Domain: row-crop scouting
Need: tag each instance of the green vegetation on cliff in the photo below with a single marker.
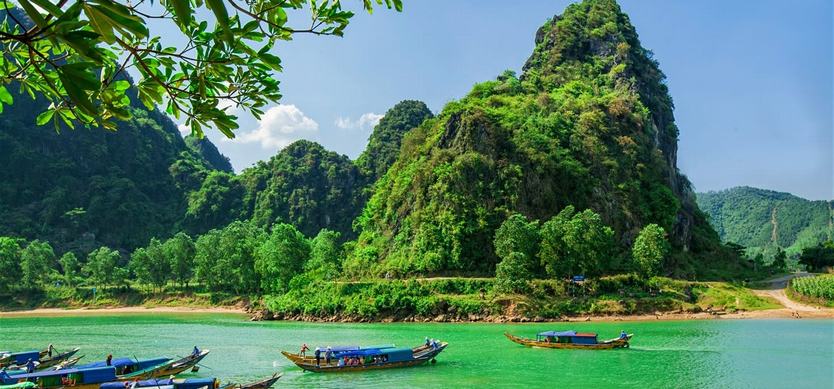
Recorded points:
(588, 124)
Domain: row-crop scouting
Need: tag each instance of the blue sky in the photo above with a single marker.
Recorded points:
(751, 81)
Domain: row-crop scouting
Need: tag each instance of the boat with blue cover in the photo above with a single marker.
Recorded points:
(127, 367)
(354, 358)
(42, 359)
(189, 383)
(572, 340)
(89, 378)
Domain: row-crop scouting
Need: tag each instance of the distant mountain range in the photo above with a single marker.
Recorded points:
(763, 219)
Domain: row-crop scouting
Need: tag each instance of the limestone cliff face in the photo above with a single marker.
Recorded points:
(589, 123)
(599, 33)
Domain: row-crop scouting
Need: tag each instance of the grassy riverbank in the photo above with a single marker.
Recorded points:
(430, 299)
(463, 299)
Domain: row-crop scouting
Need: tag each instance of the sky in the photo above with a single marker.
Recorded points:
(751, 81)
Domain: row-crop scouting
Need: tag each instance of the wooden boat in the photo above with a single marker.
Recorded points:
(46, 361)
(265, 383)
(89, 378)
(19, 358)
(190, 362)
(368, 358)
(166, 383)
(42, 361)
(571, 340)
(128, 367)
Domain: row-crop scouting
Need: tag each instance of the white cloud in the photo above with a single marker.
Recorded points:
(366, 121)
(279, 126)
(184, 130)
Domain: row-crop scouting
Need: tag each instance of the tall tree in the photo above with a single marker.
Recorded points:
(512, 274)
(575, 243)
(69, 266)
(179, 250)
(649, 249)
(101, 265)
(325, 255)
(73, 53)
(225, 258)
(517, 234)
(280, 257)
(36, 261)
(9, 262)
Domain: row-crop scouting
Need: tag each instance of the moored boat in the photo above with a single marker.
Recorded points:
(190, 362)
(572, 340)
(127, 367)
(89, 378)
(363, 359)
(166, 383)
(265, 383)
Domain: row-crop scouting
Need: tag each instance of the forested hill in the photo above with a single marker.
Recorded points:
(589, 123)
(760, 218)
(304, 184)
(83, 188)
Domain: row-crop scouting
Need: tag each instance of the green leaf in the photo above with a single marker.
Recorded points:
(222, 16)
(100, 23)
(44, 117)
(273, 61)
(33, 13)
(47, 5)
(5, 96)
(182, 9)
(76, 94)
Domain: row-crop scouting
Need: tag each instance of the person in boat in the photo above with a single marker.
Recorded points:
(318, 356)
(109, 360)
(341, 362)
(30, 366)
(304, 349)
(196, 351)
(427, 342)
(49, 350)
(327, 354)
(4, 375)
(623, 334)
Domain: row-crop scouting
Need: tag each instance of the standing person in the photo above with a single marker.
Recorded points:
(109, 360)
(318, 356)
(327, 355)
(304, 349)
(427, 342)
(623, 334)
(196, 351)
(30, 366)
(50, 350)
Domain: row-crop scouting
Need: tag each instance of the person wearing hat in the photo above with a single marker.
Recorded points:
(318, 356)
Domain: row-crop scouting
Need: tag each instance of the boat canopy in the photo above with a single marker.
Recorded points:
(100, 374)
(23, 356)
(124, 362)
(191, 383)
(566, 333)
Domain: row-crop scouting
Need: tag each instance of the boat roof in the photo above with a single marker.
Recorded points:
(50, 373)
(122, 362)
(568, 333)
(191, 383)
(365, 352)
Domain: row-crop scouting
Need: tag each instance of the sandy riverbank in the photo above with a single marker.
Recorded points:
(117, 311)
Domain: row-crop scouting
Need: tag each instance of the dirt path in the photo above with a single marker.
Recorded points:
(775, 288)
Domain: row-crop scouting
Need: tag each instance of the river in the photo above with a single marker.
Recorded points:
(665, 354)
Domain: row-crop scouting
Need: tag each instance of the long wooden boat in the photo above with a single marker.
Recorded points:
(127, 367)
(571, 340)
(42, 361)
(8, 359)
(364, 359)
(190, 362)
(46, 361)
(265, 383)
(89, 378)
(167, 383)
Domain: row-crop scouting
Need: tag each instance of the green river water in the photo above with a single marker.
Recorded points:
(669, 354)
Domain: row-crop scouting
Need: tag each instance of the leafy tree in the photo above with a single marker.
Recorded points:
(36, 261)
(101, 265)
(179, 250)
(70, 267)
(9, 262)
(649, 249)
(779, 263)
(512, 274)
(225, 258)
(818, 257)
(575, 243)
(73, 53)
(280, 257)
(518, 235)
(325, 255)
